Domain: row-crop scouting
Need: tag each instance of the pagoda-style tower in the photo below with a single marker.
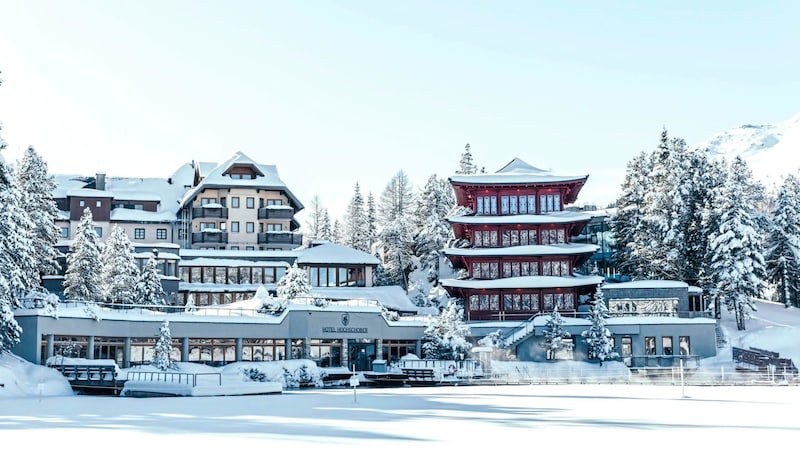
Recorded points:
(519, 259)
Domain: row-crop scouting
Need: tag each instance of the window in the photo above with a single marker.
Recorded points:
(98, 231)
(236, 176)
(666, 345)
(685, 345)
(234, 227)
(249, 248)
(550, 202)
(64, 232)
(234, 247)
(486, 204)
(81, 203)
(161, 234)
(138, 233)
(99, 203)
(564, 352)
(234, 202)
(650, 345)
(274, 202)
(274, 227)
(207, 201)
(626, 349)
(250, 227)
(207, 226)
(485, 238)
(251, 202)
(485, 270)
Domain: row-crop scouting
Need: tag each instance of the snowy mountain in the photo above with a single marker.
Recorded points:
(771, 151)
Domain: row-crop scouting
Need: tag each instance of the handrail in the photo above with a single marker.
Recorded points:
(170, 377)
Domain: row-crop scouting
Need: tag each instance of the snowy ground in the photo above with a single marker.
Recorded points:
(603, 416)
(38, 406)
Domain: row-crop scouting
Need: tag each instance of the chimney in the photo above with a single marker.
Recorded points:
(100, 181)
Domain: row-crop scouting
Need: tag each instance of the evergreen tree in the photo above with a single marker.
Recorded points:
(337, 234)
(294, 283)
(397, 242)
(737, 265)
(325, 230)
(555, 335)
(119, 274)
(433, 231)
(36, 187)
(598, 336)
(82, 278)
(12, 280)
(446, 335)
(627, 223)
(465, 165)
(190, 304)
(355, 223)
(162, 354)
(783, 243)
(372, 222)
(148, 288)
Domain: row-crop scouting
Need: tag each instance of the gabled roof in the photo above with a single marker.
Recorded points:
(516, 171)
(217, 178)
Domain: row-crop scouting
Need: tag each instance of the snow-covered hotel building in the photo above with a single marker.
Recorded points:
(519, 263)
(220, 232)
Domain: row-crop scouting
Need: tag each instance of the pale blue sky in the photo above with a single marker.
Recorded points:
(339, 92)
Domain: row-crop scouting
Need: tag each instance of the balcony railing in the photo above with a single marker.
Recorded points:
(209, 237)
(275, 213)
(280, 237)
(209, 213)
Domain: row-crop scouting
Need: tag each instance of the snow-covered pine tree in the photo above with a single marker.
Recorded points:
(397, 243)
(372, 222)
(82, 278)
(162, 353)
(190, 304)
(325, 230)
(783, 243)
(36, 187)
(446, 335)
(627, 223)
(293, 284)
(598, 336)
(433, 231)
(149, 291)
(12, 281)
(556, 336)
(355, 222)
(337, 233)
(737, 265)
(119, 274)
(465, 165)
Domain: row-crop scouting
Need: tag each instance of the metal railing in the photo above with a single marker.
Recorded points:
(172, 377)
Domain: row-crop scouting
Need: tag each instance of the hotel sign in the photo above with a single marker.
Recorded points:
(345, 320)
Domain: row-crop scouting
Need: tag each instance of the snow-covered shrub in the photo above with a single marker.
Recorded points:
(268, 303)
(446, 335)
(253, 374)
(320, 302)
(391, 316)
(492, 339)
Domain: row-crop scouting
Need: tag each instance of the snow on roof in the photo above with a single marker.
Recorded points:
(538, 282)
(268, 179)
(536, 219)
(516, 172)
(331, 253)
(695, 290)
(525, 250)
(392, 297)
(226, 262)
(274, 255)
(646, 284)
(85, 192)
(138, 215)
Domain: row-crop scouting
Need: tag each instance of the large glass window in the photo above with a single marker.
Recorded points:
(550, 202)
(263, 349)
(486, 205)
(326, 352)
